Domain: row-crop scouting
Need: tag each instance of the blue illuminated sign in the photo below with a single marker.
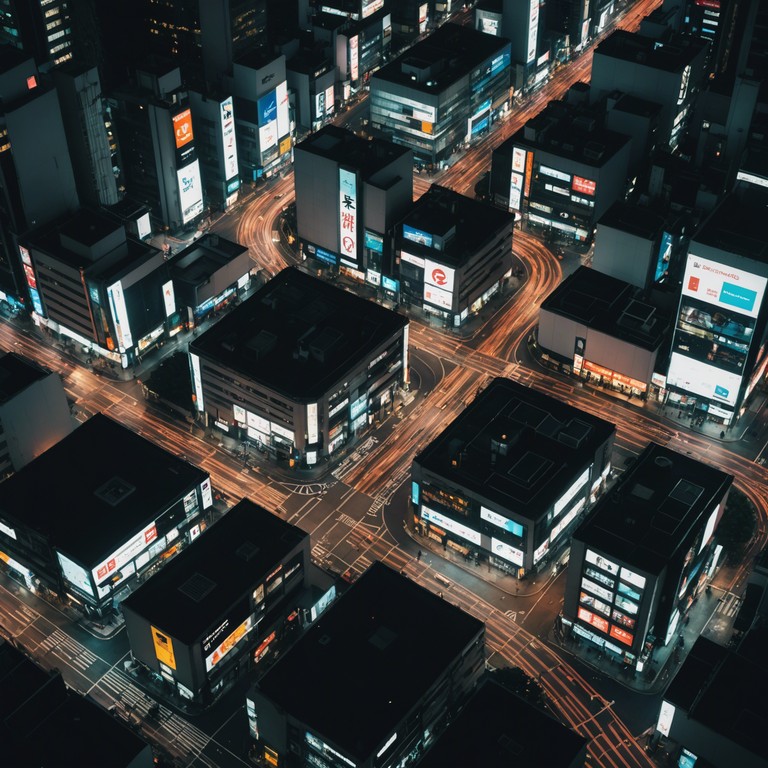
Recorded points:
(326, 256)
(267, 108)
(500, 62)
(738, 296)
(414, 492)
(417, 236)
(374, 242)
(665, 252)
(479, 125)
(389, 284)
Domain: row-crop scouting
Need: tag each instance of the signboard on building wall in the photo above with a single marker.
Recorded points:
(169, 298)
(163, 647)
(354, 60)
(182, 128)
(371, 6)
(348, 214)
(533, 30)
(439, 275)
(283, 111)
(312, 432)
(423, 14)
(228, 139)
(125, 554)
(190, 191)
(120, 316)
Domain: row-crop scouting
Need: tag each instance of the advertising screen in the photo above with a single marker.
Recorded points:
(423, 17)
(229, 643)
(489, 25)
(283, 114)
(75, 574)
(197, 380)
(120, 316)
(596, 589)
(502, 522)
(596, 621)
(125, 554)
(450, 525)
(504, 550)
(666, 715)
(312, 435)
(617, 633)
(565, 499)
(585, 186)
(190, 191)
(417, 236)
(594, 603)
(438, 275)
(709, 529)
(665, 254)
(163, 647)
(228, 139)
(533, 30)
(601, 562)
(169, 300)
(329, 102)
(267, 108)
(371, 6)
(348, 214)
(267, 137)
(702, 379)
(354, 61)
(438, 297)
(182, 128)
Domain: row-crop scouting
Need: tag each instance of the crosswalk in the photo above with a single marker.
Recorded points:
(68, 650)
(729, 604)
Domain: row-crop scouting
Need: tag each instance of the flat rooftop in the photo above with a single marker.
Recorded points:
(516, 446)
(472, 223)
(647, 515)
(634, 219)
(332, 328)
(451, 52)
(671, 56)
(634, 105)
(16, 374)
(202, 583)
(96, 488)
(610, 305)
(737, 226)
(712, 687)
(363, 663)
(342, 146)
(497, 729)
(199, 260)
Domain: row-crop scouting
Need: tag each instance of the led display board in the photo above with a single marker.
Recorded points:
(75, 574)
(109, 567)
(283, 111)
(601, 562)
(190, 191)
(182, 128)
(120, 316)
(312, 433)
(163, 647)
(506, 551)
(438, 297)
(229, 643)
(354, 61)
(228, 139)
(533, 29)
(439, 275)
(584, 186)
(197, 380)
(450, 525)
(348, 214)
(502, 522)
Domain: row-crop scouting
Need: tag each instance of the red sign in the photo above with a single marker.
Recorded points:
(150, 534)
(709, 3)
(621, 635)
(182, 127)
(693, 283)
(439, 277)
(585, 186)
(596, 621)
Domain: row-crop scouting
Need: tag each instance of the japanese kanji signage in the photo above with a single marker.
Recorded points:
(348, 214)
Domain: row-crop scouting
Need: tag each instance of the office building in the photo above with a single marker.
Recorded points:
(446, 91)
(207, 275)
(299, 369)
(96, 511)
(311, 76)
(352, 691)
(40, 28)
(509, 477)
(44, 722)
(454, 255)
(497, 728)
(718, 349)
(91, 282)
(644, 554)
(34, 412)
(523, 24)
(561, 171)
(197, 622)
(350, 193)
(604, 331)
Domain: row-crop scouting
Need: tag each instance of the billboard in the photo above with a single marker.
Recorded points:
(533, 30)
(74, 573)
(438, 296)
(120, 316)
(312, 433)
(450, 525)
(197, 380)
(190, 191)
(125, 554)
(348, 214)
(417, 236)
(163, 647)
(504, 550)
(229, 643)
(283, 113)
(267, 136)
(371, 6)
(584, 186)
(502, 522)
(228, 139)
(267, 108)
(182, 128)
(169, 298)
(354, 60)
(438, 275)
(665, 254)
(423, 9)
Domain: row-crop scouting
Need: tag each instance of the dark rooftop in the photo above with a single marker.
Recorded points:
(440, 211)
(231, 557)
(637, 106)
(108, 483)
(343, 146)
(450, 52)
(710, 688)
(516, 446)
(298, 335)
(610, 305)
(197, 262)
(737, 226)
(16, 374)
(649, 513)
(672, 56)
(497, 729)
(361, 658)
(633, 219)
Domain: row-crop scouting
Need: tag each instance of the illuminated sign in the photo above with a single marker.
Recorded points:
(205, 492)
(438, 296)
(239, 413)
(502, 522)
(267, 108)
(190, 191)
(528, 174)
(502, 549)
(540, 551)
(617, 633)
(709, 528)
(371, 6)
(228, 139)
(450, 525)
(750, 178)
(168, 298)
(591, 618)
(601, 562)
(7, 530)
(666, 715)
(584, 186)
(283, 113)
(438, 275)
(389, 284)
(348, 214)
(229, 643)
(75, 574)
(182, 128)
(163, 647)
(533, 29)
(374, 242)
(120, 316)
(665, 254)
(329, 99)
(423, 17)
(198, 381)
(590, 586)
(353, 58)
(565, 499)
(515, 191)
(312, 435)
(417, 236)
(554, 173)
(518, 160)
(417, 261)
(125, 554)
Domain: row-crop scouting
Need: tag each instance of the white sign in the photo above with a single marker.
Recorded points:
(277, 429)
(312, 436)
(120, 316)
(348, 214)
(169, 298)
(666, 715)
(125, 554)
(7, 530)
(450, 525)
(503, 549)
(228, 139)
(438, 275)
(565, 499)
(353, 59)
(417, 261)
(205, 490)
(632, 578)
(438, 296)
(283, 114)
(239, 413)
(75, 574)
(198, 381)
(267, 136)
(518, 160)
(750, 178)
(533, 30)
(702, 379)
(602, 562)
(190, 191)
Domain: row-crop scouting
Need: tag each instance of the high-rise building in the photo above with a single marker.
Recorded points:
(41, 28)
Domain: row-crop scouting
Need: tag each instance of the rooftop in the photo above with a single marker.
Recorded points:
(451, 52)
(298, 335)
(360, 658)
(672, 56)
(634, 105)
(102, 485)
(610, 305)
(470, 223)
(343, 146)
(497, 729)
(650, 511)
(230, 558)
(16, 374)
(516, 446)
(633, 219)
(197, 262)
(710, 688)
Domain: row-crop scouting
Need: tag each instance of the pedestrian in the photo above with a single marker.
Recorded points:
(418, 555)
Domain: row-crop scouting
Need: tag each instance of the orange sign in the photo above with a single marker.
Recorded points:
(182, 127)
(163, 648)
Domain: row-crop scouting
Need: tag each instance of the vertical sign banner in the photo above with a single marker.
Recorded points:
(533, 30)
(190, 191)
(528, 174)
(120, 316)
(312, 436)
(354, 61)
(228, 139)
(348, 214)
(163, 648)
(182, 128)
(197, 380)
(283, 115)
